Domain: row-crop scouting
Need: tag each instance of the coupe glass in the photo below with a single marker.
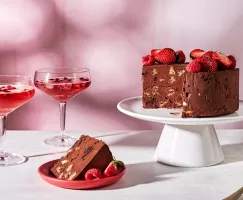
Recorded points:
(62, 84)
(15, 90)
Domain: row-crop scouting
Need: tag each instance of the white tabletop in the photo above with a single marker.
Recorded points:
(144, 179)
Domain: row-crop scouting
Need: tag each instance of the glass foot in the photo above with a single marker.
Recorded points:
(61, 141)
(9, 159)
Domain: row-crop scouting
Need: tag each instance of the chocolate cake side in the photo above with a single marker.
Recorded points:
(85, 154)
(207, 94)
(162, 86)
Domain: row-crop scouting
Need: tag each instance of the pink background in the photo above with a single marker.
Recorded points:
(109, 37)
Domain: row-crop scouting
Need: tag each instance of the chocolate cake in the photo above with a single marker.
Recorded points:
(85, 154)
(162, 86)
(207, 94)
(207, 86)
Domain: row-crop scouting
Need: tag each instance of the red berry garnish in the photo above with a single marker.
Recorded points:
(166, 56)
(196, 53)
(180, 56)
(194, 66)
(93, 174)
(208, 64)
(233, 60)
(9, 87)
(222, 59)
(154, 52)
(148, 60)
(114, 168)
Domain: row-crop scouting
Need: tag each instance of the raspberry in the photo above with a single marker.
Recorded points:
(148, 60)
(193, 66)
(93, 174)
(180, 56)
(166, 56)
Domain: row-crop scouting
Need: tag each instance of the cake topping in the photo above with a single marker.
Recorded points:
(222, 59)
(210, 61)
(233, 60)
(193, 66)
(196, 53)
(166, 56)
(148, 60)
(114, 168)
(93, 174)
(154, 52)
(208, 64)
(180, 56)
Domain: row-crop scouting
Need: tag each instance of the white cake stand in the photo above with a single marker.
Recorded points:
(190, 142)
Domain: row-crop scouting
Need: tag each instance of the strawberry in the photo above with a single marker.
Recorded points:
(166, 56)
(222, 59)
(233, 60)
(180, 56)
(208, 64)
(155, 51)
(114, 168)
(148, 60)
(193, 66)
(196, 53)
(93, 174)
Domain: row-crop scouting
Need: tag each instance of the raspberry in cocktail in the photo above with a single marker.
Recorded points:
(63, 88)
(62, 84)
(13, 96)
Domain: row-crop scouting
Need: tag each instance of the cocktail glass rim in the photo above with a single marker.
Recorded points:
(75, 70)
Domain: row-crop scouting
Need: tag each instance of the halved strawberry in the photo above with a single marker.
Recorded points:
(222, 59)
(114, 168)
(196, 53)
(155, 51)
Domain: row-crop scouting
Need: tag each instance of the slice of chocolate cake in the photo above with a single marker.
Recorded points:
(85, 154)
(162, 86)
(207, 94)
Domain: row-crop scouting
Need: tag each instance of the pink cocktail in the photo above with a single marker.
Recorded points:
(62, 84)
(15, 90)
(13, 96)
(63, 88)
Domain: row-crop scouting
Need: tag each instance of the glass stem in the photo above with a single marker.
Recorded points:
(3, 126)
(62, 117)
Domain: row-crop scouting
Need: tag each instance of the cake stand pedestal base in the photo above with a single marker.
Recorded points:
(189, 146)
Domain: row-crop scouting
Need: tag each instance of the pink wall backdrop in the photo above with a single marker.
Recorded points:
(108, 37)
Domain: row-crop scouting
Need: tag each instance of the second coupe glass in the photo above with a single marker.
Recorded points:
(62, 84)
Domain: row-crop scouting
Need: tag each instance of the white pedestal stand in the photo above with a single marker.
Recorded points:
(191, 142)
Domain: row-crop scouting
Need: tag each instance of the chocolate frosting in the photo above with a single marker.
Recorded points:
(207, 94)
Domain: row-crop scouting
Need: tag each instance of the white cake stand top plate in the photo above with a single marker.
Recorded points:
(133, 107)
